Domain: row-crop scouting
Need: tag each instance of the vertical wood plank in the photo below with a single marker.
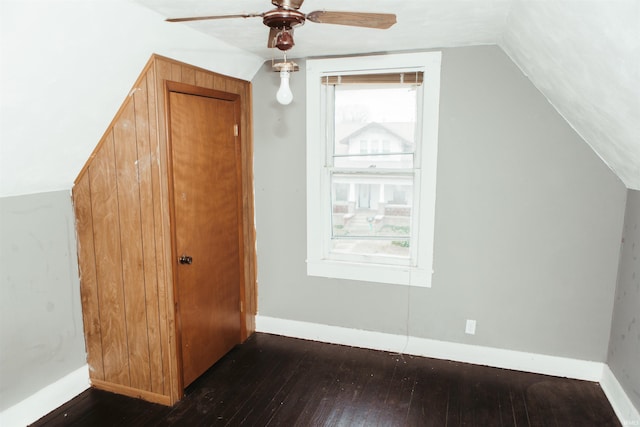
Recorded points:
(163, 72)
(219, 82)
(124, 133)
(240, 193)
(145, 178)
(233, 86)
(188, 75)
(204, 79)
(176, 72)
(106, 236)
(251, 303)
(159, 207)
(88, 280)
(236, 87)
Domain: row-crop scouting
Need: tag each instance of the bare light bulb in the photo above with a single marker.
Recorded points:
(284, 94)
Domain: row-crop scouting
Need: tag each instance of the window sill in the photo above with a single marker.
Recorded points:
(396, 275)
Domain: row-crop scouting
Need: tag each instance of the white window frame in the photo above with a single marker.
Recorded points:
(318, 192)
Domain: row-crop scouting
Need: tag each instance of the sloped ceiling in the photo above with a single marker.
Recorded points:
(583, 55)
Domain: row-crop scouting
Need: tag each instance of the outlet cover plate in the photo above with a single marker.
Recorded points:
(471, 327)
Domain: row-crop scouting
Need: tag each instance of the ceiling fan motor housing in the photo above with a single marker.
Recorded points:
(283, 18)
(284, 40)
(287, 4)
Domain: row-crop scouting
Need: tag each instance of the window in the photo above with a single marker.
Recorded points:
(371, 167)
(364, 147)
(375, 145)
(386, 146)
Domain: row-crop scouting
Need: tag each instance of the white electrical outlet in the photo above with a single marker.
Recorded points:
(471, 327)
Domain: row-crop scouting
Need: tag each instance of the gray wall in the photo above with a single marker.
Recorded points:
(624, 347)
(528, 221)
(41, 335)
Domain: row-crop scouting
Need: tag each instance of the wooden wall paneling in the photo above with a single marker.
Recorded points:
(122, 203)
(188, 75)
(243, 89)
(176, 71)
(251, 294)
(231, 86)
(219, 83)
(236, 86)
(89, 161)
(132, 392)
(128, 187)
(144, 125)
(204, 79)
(240, 193)
(104, 208)
(165, 286)
(88, 280)
(163, 72)
(131, 248)
(159, 209)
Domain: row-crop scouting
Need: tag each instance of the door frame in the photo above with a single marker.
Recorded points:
(187, 89)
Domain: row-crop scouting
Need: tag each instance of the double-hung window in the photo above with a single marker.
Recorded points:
(372, 129)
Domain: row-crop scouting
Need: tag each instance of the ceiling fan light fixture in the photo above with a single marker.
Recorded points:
(285, 68)
(284, 94)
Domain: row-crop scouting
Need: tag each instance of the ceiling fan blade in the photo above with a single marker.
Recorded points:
(273, 32)
(288, 4)
(357, 19)
(204, 18)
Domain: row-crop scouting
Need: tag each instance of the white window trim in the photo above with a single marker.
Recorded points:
(318, 189)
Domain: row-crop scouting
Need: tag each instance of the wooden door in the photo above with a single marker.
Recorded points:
(207, 219)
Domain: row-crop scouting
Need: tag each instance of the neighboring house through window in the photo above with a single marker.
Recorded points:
(371, 167)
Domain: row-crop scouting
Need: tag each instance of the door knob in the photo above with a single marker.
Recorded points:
(185, 259)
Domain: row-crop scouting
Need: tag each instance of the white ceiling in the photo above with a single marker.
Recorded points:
(584, 55)
(421, 24)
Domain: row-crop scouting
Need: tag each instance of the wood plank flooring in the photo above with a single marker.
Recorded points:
(277, 381)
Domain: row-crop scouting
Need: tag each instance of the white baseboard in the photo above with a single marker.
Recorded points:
(477, 355)
(626, 412)
(46, 400)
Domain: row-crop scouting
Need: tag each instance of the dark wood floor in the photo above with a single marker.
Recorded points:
(278, 381)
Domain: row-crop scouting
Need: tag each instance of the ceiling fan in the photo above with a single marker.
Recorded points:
(286, 16)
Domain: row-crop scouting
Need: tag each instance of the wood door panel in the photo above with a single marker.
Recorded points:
(206, 216)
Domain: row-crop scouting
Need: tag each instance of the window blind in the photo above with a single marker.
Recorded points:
(410, 78)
